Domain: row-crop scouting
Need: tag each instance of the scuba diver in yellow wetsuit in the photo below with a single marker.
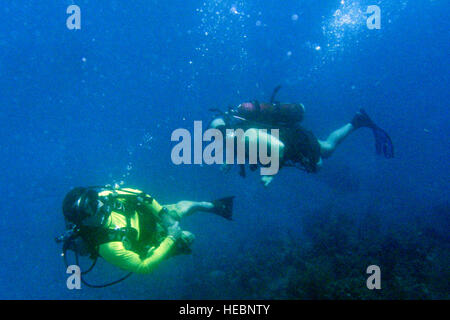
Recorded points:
(128, 228)
(298, 147)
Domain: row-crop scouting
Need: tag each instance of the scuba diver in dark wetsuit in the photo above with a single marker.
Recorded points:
(297, 146)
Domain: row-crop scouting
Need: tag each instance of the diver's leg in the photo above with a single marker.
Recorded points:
(328, 146)
(185, 208)
(179, 210)
(360, 120)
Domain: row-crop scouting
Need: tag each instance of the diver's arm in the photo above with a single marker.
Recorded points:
(116, 254)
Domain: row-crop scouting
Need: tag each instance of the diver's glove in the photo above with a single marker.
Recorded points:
(186, 240)
(183, 244)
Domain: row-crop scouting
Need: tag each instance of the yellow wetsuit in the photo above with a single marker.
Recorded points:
(116, 253)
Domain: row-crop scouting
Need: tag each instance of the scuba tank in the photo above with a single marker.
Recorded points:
(274, 113)
(270, 113)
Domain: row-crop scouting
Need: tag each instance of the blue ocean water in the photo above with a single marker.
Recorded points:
(98, 105)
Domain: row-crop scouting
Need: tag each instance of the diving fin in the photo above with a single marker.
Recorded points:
(223, 207)
(362, 120)
(383, 143)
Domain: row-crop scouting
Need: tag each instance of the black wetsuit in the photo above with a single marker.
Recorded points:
(302, 149)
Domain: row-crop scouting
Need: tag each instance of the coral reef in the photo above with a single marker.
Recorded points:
(329, 260)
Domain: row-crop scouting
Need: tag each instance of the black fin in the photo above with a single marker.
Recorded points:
(223, 207)
(362, 120)
(383, 143)
(274, 93)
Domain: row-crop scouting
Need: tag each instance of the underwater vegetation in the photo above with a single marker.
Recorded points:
(330, 259)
